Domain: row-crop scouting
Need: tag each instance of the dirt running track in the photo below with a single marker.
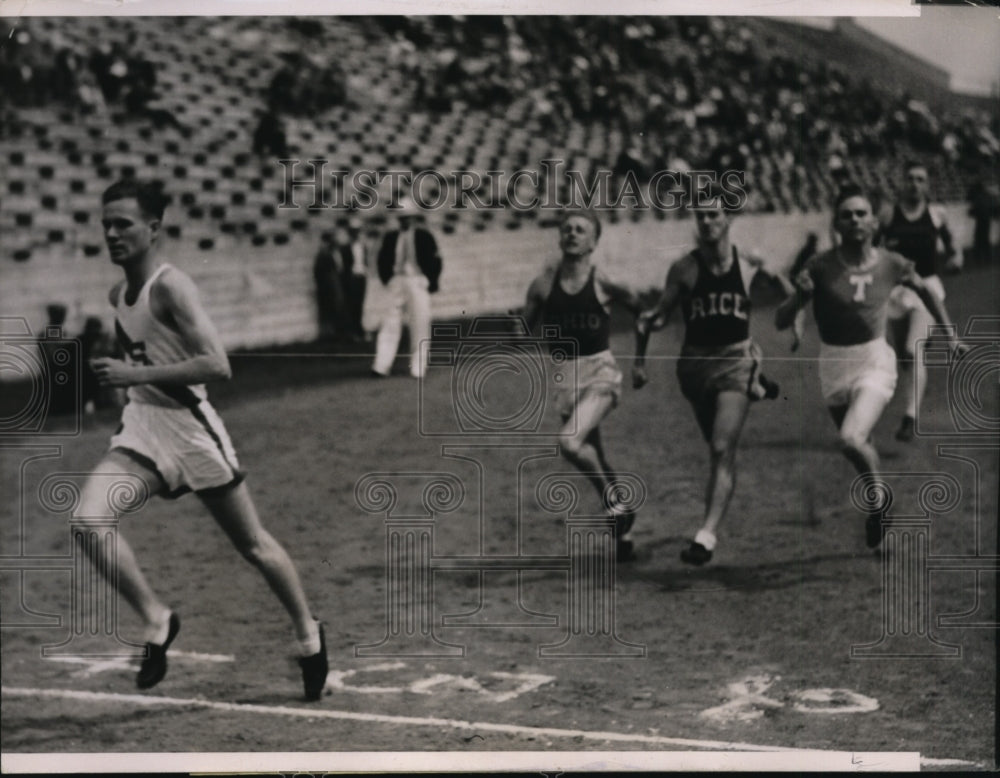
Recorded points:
(749, 639)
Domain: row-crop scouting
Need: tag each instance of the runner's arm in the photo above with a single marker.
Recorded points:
(647, 321)
(953, 258)
(781, 281)
(619, 293)
(936, 307)
(790, 311)
(175, 297)
(534, 303)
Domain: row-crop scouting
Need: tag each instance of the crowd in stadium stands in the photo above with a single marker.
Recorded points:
(698, 92)
(306, 85)
(36, 72)
(674, 93)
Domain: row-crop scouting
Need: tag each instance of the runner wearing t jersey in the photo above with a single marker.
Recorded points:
(850, 286)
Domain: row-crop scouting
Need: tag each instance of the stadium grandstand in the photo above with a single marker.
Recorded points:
(208, 106)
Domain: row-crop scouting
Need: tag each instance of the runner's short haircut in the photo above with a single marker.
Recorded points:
(152, 201)
(847, 192)
(583, 213)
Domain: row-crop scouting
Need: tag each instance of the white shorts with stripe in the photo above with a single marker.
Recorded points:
(846, 370)
(188, 448)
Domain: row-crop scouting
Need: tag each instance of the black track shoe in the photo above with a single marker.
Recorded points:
(906, 432)
(314, 670)
(875, 529)
(771, 388)
(154, 666)
(624, 551)
(696, 554)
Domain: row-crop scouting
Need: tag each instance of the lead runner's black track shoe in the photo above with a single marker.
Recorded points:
(875, 527)
(624, 549)
(154, 667)
(696, 554)
(314, 670)
(771, 388)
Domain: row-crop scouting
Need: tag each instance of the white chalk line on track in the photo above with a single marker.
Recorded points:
(381, 718)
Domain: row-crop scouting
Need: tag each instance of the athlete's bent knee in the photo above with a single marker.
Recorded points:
(852, 441)
(722, 450)
(570, 446)
(263, 551)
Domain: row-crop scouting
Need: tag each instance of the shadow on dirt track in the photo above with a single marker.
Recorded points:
(748, 578)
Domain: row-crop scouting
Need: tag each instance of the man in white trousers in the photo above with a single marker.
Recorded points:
(409, 266)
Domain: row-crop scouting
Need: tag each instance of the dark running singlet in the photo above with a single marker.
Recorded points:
(916, 240)
(580, 317)
(717, 311)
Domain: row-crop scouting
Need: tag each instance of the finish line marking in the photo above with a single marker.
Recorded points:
(482, 726)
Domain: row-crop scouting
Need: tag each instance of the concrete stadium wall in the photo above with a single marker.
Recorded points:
(261, 298)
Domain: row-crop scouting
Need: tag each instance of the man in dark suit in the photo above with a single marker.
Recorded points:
(329, 292)
(409, 265)
(354, 277)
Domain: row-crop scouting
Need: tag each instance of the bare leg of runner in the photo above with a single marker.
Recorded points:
(856, 423)
(721, 420)
(119, 560)
(235, 512)
(913, 384)
(577, 444)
